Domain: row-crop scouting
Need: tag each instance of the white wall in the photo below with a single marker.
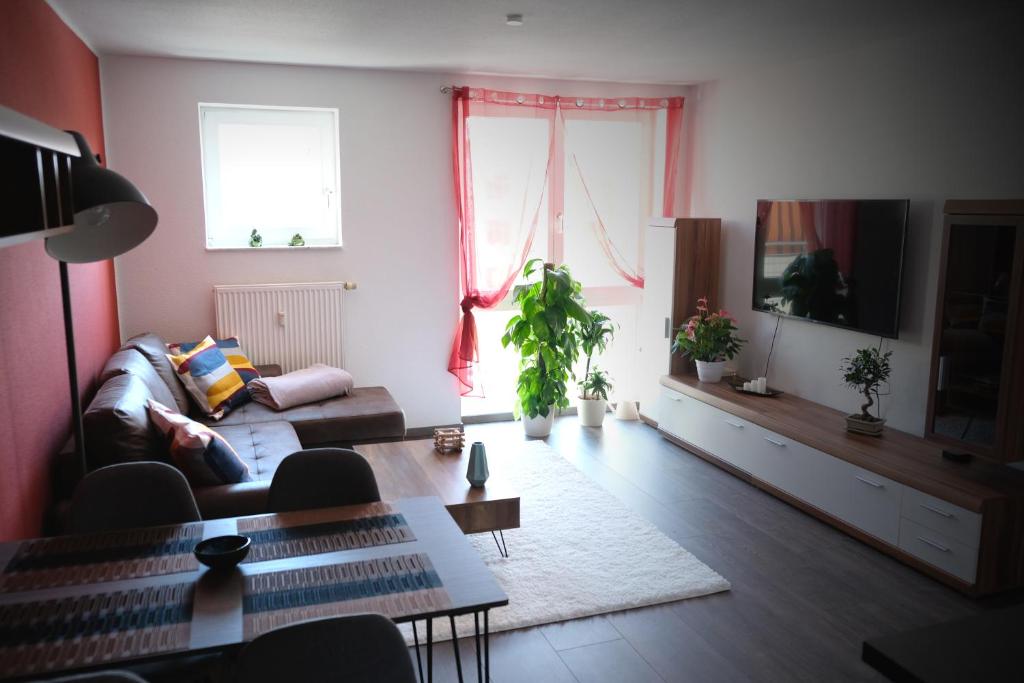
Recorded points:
(930, 117)
(399, 233)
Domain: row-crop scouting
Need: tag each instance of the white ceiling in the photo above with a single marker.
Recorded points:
(649, 41)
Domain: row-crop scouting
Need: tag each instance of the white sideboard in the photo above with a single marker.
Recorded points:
(888, 491)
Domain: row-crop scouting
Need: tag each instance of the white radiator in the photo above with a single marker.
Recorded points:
(294, 325)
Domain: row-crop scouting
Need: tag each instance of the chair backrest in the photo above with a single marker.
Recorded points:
(361, 648)
(131, 495)
(322, 478)
(99, 677)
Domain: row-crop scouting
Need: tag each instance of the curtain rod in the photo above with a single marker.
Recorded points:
(447, 89)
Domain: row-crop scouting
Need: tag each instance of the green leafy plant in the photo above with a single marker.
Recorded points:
(596, 385)
(866, 371)
(255, 239)
(297, 241)
(708, 336)
(594, 338)
(546, 332)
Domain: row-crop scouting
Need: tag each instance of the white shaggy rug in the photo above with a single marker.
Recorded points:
(579, 551)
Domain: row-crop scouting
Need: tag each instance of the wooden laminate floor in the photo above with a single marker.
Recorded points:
(803, 598)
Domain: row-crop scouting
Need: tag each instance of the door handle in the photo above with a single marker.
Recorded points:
(869, 482)
(774, 442)
(933, 544)
(737, 425)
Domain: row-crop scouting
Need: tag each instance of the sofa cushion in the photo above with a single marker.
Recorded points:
(206, 457)
(155, 351)
(131, 362)
(214, 385)
(232, 350)
(117, 426)
(261, 445)
(365, 414)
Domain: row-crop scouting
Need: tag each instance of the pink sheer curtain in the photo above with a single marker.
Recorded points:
(494, 248)
(508, 240)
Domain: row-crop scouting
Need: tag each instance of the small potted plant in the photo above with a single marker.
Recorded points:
(594, 398)
(546, 334)
(866, 371)
(709, 339)
(594, 338)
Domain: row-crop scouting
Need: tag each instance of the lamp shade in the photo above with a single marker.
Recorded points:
(111, 214)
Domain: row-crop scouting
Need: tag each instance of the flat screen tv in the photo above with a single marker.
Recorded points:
(836, 262)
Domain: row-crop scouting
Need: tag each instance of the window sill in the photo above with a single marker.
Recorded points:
(281, 248)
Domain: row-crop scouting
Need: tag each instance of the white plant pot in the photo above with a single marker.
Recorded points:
(540, 426)
(710, 371)
(592, 411)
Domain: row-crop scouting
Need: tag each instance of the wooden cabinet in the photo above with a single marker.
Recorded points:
(681, 258)
(960, 523)
(976, 396)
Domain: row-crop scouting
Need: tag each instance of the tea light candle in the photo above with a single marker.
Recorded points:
(762, 385)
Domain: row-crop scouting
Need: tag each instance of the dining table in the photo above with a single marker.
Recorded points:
(113, 599)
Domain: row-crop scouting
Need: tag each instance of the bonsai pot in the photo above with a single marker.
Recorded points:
(540, 426)
(710, 371)
(592, 411)
(858, 425)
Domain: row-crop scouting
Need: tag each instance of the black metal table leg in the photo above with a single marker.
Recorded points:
(479, 654)
(416, 640)
(430, 650)
(502, 548)
(455, 646)
(487, 647)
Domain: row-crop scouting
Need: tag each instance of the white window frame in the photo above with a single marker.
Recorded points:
(333, 243)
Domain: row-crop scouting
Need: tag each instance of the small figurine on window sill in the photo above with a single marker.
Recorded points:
(255, 239)
(297, 241)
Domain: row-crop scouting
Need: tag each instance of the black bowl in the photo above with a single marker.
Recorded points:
(222, 552)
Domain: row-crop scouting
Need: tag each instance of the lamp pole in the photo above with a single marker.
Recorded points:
(69, 340)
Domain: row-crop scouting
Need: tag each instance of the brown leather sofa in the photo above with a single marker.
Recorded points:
(117, 426)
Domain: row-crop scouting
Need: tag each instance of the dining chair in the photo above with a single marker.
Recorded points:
(131, 495)
(99, 677)
(322, 478)
(359, 648)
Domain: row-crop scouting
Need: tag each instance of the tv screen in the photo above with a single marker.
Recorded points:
(836, 262)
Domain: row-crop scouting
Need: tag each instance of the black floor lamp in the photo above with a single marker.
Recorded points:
(111, 217)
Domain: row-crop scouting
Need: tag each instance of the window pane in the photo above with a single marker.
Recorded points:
(614, 160)
(272, 170)
(509, 159)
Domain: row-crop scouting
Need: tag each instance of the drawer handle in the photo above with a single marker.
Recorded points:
(942, 513)
(674, 398)
(774, 442)
(933, 544)
(869, 482)
(737, 425)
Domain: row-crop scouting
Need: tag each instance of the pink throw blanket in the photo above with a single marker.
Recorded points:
(311, 384)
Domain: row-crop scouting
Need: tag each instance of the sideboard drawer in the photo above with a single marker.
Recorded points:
(712, 430)
(874, 504)
(939, 550)
(952, 521)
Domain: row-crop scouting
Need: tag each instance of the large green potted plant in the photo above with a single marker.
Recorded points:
(710, 339)
(594, 338)
(866, 371)
(546, 334)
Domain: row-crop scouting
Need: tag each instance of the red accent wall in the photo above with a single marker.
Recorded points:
(46, 72)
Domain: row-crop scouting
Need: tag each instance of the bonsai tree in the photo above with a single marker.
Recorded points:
(546, 332)
(596, 385)
(708, 337)
(594, 338)
(866, 371)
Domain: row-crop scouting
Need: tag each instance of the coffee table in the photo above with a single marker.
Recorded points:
(406, 469)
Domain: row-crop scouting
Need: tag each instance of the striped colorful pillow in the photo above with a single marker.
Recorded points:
(209, 379)
(232, 350)
(206, 457)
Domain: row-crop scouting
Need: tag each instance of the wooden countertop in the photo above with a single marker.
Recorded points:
(902, 457)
